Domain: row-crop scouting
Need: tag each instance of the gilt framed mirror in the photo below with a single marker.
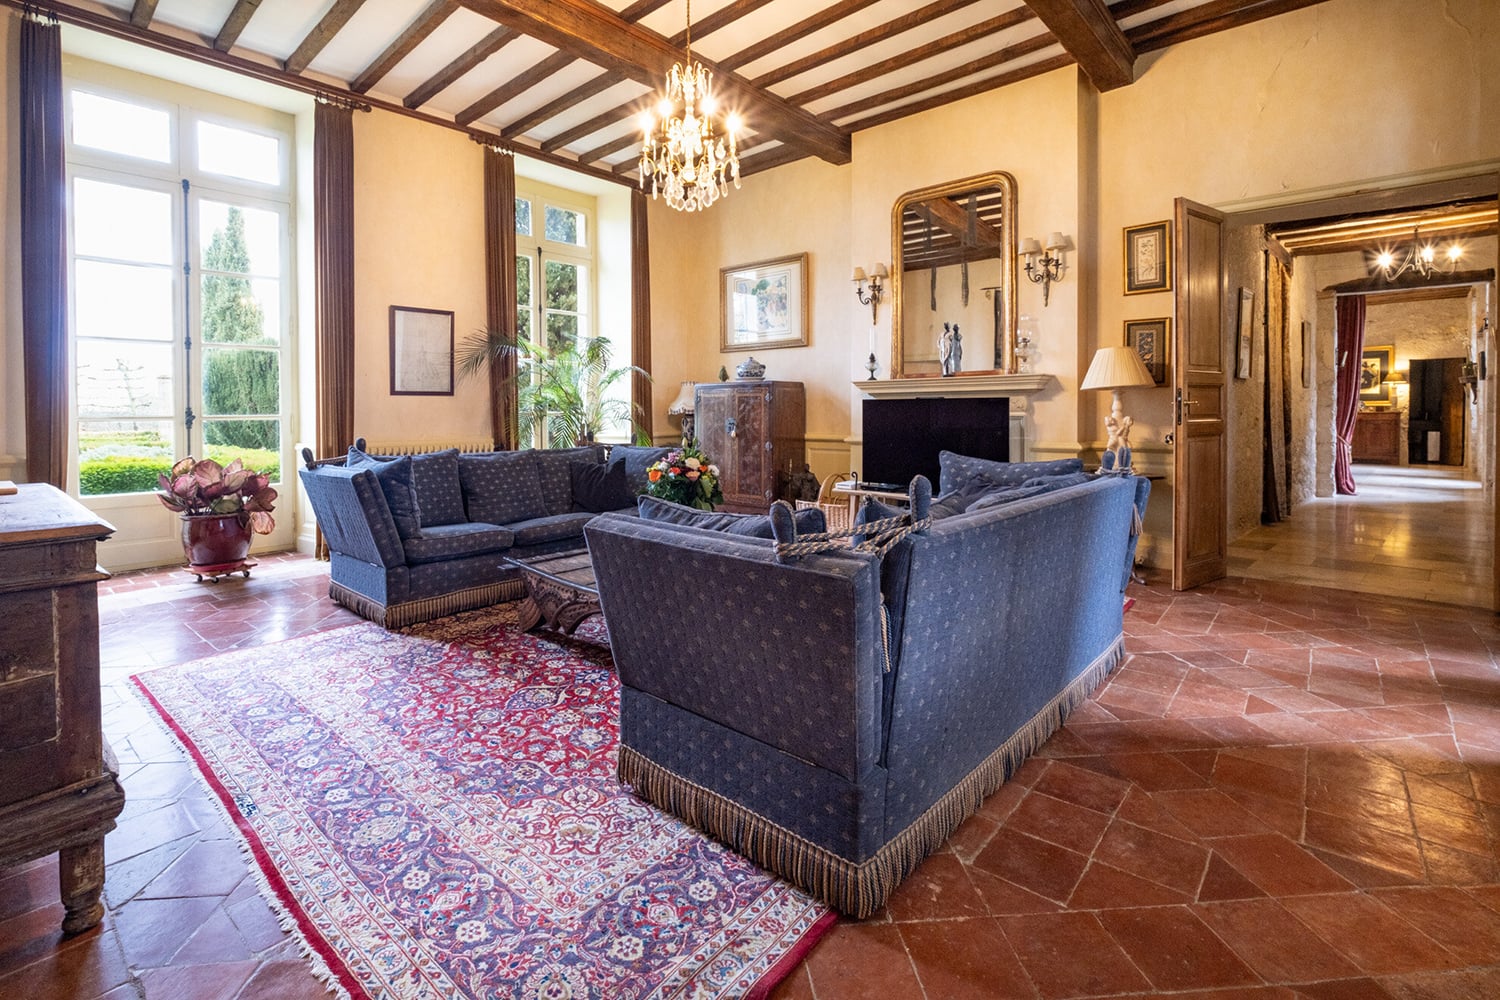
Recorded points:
(953, 253)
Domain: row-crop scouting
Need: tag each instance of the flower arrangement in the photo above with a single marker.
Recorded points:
(206, 487)
(685, 476)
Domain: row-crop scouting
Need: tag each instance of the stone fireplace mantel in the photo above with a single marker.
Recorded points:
(956, 385)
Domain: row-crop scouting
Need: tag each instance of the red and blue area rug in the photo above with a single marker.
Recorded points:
(437, 813)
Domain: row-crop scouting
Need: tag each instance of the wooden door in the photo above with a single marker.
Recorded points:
(1200, 376)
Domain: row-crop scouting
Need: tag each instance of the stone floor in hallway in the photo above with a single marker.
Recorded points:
(1284, 792)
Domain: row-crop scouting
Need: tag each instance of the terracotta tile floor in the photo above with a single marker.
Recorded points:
(1285, 792)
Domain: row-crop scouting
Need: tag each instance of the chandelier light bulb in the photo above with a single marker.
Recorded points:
(1419, 257)
(1385, 259)
(1455, 252)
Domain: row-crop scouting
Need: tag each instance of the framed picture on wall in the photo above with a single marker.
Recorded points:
(1148, 258)
(764, 304)
(1307, 355)
(1374, 366)
(421, 351)
(1245, 334)
(1152, 340)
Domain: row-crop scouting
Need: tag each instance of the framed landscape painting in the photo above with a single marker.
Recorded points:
(764, 304)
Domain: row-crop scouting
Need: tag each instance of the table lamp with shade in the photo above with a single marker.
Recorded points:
(1116, 368)
(682, 407)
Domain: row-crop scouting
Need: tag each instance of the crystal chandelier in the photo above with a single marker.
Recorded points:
(684, 160)
(1420, 258)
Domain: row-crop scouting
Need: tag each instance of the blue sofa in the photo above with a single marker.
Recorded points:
(416, 537)
(760, 703)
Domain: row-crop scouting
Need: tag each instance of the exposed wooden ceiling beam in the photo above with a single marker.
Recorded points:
(239, 16)
(801, 29)
(329, 25)
(631, 138)
(552, 109)
(415, 34)
(911, 57)
(880, 33)
(515, 86)
(776, 156)
(1196, 22)
(1092, 36)
(473, 56)
(957, 94)
(595, 33)
(142, 13)
(953, 219)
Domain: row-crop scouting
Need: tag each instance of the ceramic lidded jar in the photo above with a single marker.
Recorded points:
(750, 369)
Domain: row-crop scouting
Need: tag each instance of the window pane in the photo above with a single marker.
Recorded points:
(241, 381)
(126, 223)
(563, 281)
(123, 300)
(565, 226)
(227, 440)
(121, 378)
(235, 152)
(122, 456)
(562, 330)
(121, 127)
(238, 239)
(523, 217)
(241, 310)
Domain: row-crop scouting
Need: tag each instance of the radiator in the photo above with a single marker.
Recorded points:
(467, 446)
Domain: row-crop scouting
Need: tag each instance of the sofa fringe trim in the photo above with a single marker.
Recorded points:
(857, 888)
(394, 616)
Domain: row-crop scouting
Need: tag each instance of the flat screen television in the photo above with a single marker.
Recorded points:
(902, 437)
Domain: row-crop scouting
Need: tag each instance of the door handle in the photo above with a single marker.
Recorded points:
(1183, 404)
(730, 428)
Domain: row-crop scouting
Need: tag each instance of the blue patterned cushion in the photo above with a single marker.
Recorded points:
(957, 468)
(996, 497)
(748, 525)
(501, 487)
(962, 497)
(395, 480)
(552, 528)
(636, 459)
(598, 488)
(452, 541)
(1050, 483)
(435, 475)
(554, 472)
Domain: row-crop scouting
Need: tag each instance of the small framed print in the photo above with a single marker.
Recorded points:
(764, 304)
(421, 351)
(1152, 340)
(1245, 334)
(1374, 366)
(1148, 258)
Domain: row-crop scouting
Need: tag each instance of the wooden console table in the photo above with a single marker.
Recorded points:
(1377, 437)
(58, 779)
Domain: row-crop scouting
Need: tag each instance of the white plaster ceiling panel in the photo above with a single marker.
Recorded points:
(1157, 13)
(624, 92)
(449, 41)
(362, 40)
(499, 69)
(203, 17)
(278, 26)
(668, 20)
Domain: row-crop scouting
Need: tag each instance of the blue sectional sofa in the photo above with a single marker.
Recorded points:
(792, 732)
(416, 537)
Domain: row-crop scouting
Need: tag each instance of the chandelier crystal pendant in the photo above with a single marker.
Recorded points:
(1420, 258)
(685, 160)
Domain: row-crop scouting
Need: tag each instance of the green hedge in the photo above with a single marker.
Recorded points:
(99, 474)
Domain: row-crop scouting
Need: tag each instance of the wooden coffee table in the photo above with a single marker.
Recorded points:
(560, 590)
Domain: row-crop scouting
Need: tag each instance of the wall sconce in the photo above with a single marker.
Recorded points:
(876, 278)
(1042, 266)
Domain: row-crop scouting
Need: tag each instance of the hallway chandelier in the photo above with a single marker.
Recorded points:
(1420, 258)
(685, 161)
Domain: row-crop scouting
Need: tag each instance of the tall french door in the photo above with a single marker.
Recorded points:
(180, 321)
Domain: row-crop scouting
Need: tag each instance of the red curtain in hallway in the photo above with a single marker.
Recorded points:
(1349, 345)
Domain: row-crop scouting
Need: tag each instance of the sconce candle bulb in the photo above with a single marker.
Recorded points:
(876, 278)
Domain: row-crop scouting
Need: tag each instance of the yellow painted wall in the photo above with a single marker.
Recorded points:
(418, 241)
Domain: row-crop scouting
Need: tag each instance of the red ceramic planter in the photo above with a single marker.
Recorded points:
(215, 543)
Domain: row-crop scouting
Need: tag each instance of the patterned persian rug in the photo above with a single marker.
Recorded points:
(437, 814)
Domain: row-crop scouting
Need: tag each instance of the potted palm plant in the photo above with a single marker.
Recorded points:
(221, 506)
(563, 389)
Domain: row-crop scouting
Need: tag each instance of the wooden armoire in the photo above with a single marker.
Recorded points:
(755, 431)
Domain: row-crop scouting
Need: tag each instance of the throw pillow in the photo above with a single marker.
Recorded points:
(554, 470)
(1060, 482)
(956, 468)
(962, 497)
(395, 481)
(597, 488)
(1000, 497)
(502, 487)
(636, 459)
(435, 474)
(747, 525)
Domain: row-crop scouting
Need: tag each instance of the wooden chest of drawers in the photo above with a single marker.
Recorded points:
(58, 786)
(756, 432)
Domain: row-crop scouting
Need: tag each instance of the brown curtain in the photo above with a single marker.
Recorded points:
(333, 239)
(1349, 346)
(640, 311)
(44, 252)
(1275, 460)
(500, 287)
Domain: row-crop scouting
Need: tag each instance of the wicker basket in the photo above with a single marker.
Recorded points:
(835, 510)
